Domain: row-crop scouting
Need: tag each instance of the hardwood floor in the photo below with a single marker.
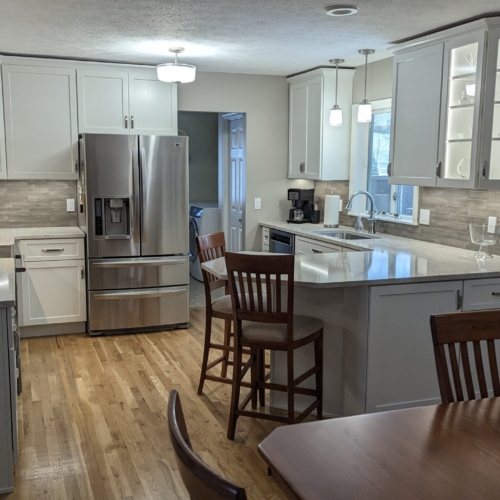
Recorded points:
(92, 418)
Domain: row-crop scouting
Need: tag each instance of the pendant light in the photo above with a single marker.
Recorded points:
(336, 112)
(175, 72)
(365, 108)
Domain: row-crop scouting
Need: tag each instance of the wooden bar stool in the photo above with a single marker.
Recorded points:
(262, 323)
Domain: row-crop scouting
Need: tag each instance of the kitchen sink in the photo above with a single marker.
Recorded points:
(343, 235)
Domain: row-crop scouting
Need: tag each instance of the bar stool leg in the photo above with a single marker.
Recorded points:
(318, 359)
(227, 336)
(235, 395)
(254, 370)
(290, 387)
(206, 349)
(261, 375)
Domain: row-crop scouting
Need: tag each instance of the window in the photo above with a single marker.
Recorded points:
(370, 158)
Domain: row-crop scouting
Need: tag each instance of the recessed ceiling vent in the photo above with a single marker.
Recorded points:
(341, 10)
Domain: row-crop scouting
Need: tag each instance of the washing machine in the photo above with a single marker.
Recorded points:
(203, 219)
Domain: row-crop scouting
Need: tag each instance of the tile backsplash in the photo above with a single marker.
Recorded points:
(452, 210)
(36, 203)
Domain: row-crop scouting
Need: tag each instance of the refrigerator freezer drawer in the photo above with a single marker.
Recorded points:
(119, 274)
(138, 309)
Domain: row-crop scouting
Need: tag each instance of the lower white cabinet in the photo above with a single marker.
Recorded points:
(401, 371)
(53, 292)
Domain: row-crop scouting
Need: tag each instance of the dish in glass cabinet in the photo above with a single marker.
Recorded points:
(463, 168)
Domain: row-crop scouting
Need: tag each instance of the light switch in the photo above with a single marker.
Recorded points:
(425, 216)
(258, 203)
(70, 205)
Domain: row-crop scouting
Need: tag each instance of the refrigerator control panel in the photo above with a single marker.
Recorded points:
(98, 217)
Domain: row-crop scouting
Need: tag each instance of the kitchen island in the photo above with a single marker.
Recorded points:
(375, 301)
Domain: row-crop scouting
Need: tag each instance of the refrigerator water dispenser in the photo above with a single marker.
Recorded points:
(112, 218)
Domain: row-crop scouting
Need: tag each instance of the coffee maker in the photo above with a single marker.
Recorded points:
(302, 205)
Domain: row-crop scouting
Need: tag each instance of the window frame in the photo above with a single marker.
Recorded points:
(358, 179)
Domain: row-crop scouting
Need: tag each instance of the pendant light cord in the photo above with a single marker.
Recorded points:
(336, 84)
(366, 72)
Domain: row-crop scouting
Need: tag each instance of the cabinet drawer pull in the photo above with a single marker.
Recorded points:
(389, 169)
(485, 167)
(52, 249)
(495, 294)
(126, 121)
(316, 251)
(21, 269)
(76, 165)
(438, 170)
(459, 299)
(131, 122)
(82, 272)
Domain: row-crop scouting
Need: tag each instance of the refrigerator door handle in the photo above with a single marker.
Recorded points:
(144, 182)
(135, 223)
(146, 294)
(141, 263)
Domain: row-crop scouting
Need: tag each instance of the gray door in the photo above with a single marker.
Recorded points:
(112, 173)
(164, 177)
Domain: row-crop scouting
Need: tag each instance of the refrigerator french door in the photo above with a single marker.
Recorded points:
(134, 209)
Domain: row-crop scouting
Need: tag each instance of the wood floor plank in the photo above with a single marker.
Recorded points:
(92, 418)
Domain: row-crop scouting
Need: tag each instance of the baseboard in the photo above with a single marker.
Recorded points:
(298, 410)
(48, 330)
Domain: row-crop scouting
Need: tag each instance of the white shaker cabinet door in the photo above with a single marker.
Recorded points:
(53, 292)
(153, 105)
(416, 107)
(298, 130)
(401, 367)
(3, 157)
(40, 122)
(103, 106)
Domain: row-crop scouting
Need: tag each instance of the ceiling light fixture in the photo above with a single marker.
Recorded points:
(365, 108)
(336, 112)
(175, 72)
(341, 10)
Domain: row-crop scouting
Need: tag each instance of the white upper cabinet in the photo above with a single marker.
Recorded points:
(153, 105)
(317, 150)
(40, 122)
(3, 158)
(114, 102)
(103, 102)
(452, 141)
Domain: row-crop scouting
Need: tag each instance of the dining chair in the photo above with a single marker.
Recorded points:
(464, 344)
(201, 482)
(210, 247)
(264, 320)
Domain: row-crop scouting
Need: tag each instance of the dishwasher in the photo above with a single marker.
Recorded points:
(281, 242)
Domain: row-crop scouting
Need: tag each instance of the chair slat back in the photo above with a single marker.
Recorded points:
(201, 482)
(211, 247)
(464, 344)
(262, 278)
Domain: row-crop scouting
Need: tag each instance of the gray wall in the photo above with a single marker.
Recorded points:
(203, 131)
(36, 203)
(264, 99)
(451, 209)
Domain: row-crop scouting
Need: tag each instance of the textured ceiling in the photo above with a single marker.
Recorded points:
(275, 37)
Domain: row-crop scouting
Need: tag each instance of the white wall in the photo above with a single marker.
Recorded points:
(379, 85)
(203, 132)
(264, 99)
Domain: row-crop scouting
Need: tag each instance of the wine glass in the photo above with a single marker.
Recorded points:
(484, 236)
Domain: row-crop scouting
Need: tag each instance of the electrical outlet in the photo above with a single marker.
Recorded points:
(425, 216)
(70, 205)
(258, 203)
(340, 205)
(492, 222)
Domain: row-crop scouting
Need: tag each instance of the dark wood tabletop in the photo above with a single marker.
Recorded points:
(433, 452)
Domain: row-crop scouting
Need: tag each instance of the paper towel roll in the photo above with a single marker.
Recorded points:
(332, 204)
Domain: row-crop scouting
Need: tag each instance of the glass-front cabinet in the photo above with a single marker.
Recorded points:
(467, 126)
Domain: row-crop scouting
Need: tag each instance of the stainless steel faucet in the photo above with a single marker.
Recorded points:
(371, 219)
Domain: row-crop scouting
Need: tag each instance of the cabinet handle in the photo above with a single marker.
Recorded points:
(438, 170)
(460, 299)
(302, 167)
(52, 249)
(495, 294)
(82, 272)
(21, 269)
(131, 122)
(316, 251)
(76, 165)
(126, 121)
(389, 169)
(485, 167)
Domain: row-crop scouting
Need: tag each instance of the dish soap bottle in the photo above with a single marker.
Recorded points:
(359, 224)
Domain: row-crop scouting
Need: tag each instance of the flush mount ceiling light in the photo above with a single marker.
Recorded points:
(341, 10)
(365, 108)
(175, 72)
(336, 112)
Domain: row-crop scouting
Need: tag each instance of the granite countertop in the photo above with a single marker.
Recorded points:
(382, 260)
(8, 236)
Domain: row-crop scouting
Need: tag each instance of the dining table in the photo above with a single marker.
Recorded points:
(440, 452)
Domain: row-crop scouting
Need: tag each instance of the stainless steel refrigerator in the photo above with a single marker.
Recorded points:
(133, 207)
